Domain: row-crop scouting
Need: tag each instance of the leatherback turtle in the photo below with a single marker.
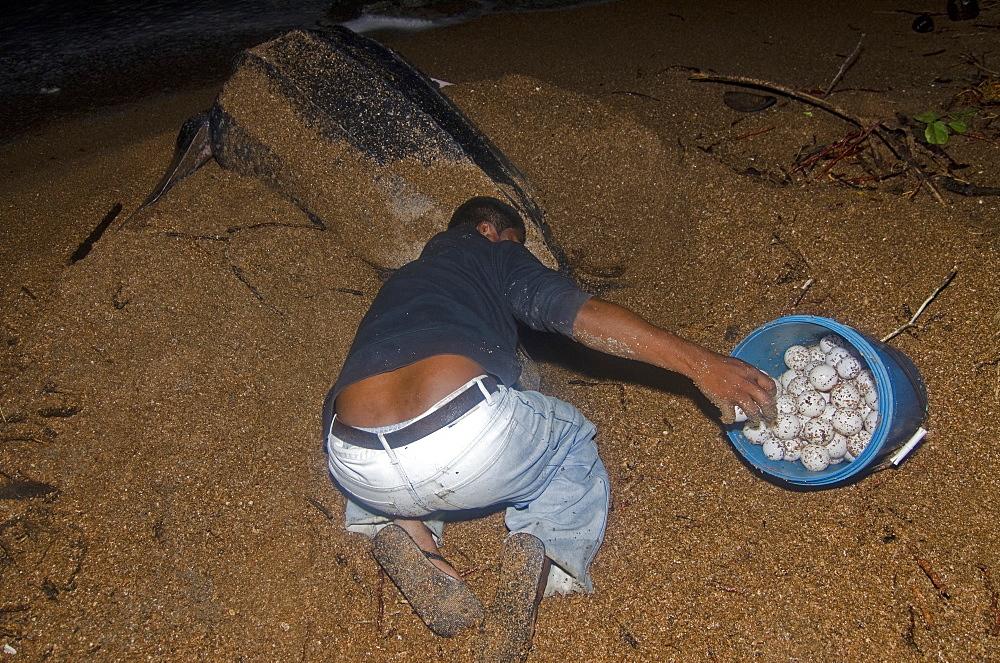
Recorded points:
(347, 128)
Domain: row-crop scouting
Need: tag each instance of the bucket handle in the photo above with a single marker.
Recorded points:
(903, 452)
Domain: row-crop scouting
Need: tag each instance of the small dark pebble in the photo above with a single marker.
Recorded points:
(923, 23)
(747, 102)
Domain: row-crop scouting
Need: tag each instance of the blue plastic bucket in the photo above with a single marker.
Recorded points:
(902, 396)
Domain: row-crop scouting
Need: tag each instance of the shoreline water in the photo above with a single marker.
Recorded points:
(65, 61)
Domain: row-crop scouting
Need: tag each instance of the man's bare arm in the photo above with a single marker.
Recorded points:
(726, 381)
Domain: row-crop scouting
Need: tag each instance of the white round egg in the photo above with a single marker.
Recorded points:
(829, 342)
(858, 442)
(773, 449)
(786, 426)
(786, 404)
(793, 449)
(835, 355)
(845, 395)
(818, 431)
(837, 447)
(798, 384)
(828, 412)
(847, 422)
(823, 377)
(871, 399)
(810, 403)
(864, 382)
(796, 357)
(757, 434)
(848, 368)
(787, 377)
(815, 458)
(816, 354)
(871, 421)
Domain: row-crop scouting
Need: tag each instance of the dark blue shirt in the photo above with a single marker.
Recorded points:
(465, 296)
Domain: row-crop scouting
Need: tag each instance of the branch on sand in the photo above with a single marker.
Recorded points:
(913, 320)
(892, 141)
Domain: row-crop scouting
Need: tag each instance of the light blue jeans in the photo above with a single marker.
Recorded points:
(521, 449)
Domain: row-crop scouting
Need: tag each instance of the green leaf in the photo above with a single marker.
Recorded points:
(958, 126)
(927, 117)
(936, 133)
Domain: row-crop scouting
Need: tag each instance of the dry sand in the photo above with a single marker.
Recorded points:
(169, 385)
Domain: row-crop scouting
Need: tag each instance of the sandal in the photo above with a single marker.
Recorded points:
(442, 602)
(509, 625)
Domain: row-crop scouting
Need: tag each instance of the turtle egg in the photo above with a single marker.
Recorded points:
(848, 457)
(757, 434)
(829, 342)
(793, 449)
(837, 447)
(864, 382)
(848, 368)
(815, 458)
(810, 403)
(847, 422)
(818, 431)
(773, 449)
(798, 384)
(786, 404)
(787, 377)
(816, 355)
(872, 421)
(786, 426)
(823, 377)
(739, 416)
(835, 355)
(845, 395)
(858, 442)
(871, 399)
(796, 357)
(828, 412)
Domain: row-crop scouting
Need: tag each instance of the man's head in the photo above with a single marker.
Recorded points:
(494, 219)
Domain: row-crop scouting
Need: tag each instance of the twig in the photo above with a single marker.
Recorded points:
(932, 575)
(850, 148)
(843, 68)
(922, 606)
(913, 320)
(322, 509)
(994, 601)
(752, 133)
(781, 89)
(898, 149)
(974, 61)
(802, 292)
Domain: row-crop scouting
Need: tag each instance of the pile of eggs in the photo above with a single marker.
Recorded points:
(827, 407)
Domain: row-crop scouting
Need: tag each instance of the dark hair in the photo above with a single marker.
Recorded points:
(497, 213)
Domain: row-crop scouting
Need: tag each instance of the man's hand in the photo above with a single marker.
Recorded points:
(726, 381)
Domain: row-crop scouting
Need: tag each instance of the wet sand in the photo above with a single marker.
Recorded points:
(169, 385)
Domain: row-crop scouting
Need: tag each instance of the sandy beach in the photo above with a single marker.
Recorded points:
(160, 400)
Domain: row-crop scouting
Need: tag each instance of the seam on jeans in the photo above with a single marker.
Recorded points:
(394, 460)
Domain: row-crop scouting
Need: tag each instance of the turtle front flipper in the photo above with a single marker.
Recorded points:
(194, 148)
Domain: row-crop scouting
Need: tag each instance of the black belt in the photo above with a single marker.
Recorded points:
(421, 428)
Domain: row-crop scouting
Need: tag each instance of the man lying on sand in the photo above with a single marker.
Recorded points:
(424, 419)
